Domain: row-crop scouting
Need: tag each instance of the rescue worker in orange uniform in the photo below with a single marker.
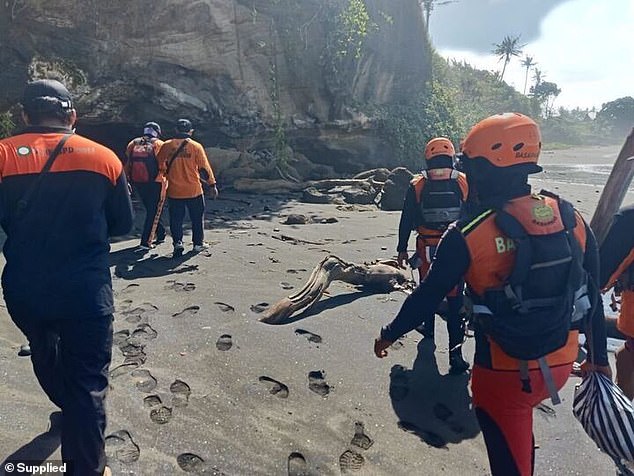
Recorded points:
(56, 281)
(184, 162)
(432, 202)
(142, 170)
(498, 155)
(617, 271)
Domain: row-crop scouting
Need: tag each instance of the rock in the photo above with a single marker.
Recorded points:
(311, 195)
(358, 196)
(396, 185)
(25, 350)
(329, 220)
(296, 219)
(379, 175)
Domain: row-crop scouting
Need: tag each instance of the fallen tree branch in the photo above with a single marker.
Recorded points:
(380, 277)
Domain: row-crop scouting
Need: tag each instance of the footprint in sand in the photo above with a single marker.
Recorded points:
(139, 313)
(224, 307)
(190, 463)
(297, 465)
(180, 393)
(121, 447)
(224, 342)
(312, 337)
(120, 337)
(317, 382)
(136, 360)
(144, 380)
(295, 271)
(351, 462)
(260, 307)
(123, 369)
(187, 312)
(152, 401)
(546, 410)
(161, 415)
(360, 439)
(131, 349)
(130, 288)
(144, 332)
(180, 287)
(286, 286)
(275, 387)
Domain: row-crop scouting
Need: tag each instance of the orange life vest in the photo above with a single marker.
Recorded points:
(625, 320)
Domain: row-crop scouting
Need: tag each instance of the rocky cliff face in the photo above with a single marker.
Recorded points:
(238, 68)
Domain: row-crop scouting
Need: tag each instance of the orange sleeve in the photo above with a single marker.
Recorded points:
(203, 163)
(163, 154)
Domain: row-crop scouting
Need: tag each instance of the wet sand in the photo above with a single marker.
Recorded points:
(199, 385)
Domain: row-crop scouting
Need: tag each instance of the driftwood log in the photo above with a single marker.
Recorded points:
(614, 190)
(383, 276)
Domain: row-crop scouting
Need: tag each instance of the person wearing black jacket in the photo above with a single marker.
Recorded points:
(56, 281)
(498, 155)
(617, 270)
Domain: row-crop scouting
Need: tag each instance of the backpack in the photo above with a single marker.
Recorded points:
(547, 291)
(441, 200)
(143, 165)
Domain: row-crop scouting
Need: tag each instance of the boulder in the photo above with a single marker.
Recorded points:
(396, 185)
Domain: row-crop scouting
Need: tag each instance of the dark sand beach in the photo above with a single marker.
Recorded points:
(199, 385)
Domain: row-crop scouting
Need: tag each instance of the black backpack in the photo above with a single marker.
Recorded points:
(440, 201)
(143, 165)
(547, 291)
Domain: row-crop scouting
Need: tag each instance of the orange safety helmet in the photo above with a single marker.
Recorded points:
(439, 146)
(504, 140)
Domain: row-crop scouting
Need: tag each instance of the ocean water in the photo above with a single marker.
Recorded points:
(588, 174)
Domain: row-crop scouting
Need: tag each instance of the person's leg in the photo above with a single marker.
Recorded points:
(196, 208)
(158, 201)
(43, 339)
(176, 214)
(625, 368)
(455, 329)
(86, 350)
(427, 327)
(145, 192)
(505, 414)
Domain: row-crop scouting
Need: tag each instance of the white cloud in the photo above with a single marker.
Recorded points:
(585, 46)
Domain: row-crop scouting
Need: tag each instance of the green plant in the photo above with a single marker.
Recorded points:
(6, 124)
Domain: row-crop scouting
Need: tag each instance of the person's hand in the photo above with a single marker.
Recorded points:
(401, 259)
(380, 347)
(587, 367)
(213, 192)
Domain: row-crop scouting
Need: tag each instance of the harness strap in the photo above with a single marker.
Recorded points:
(549, 381)
(525, 377)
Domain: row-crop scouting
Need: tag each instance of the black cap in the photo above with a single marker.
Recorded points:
(46, 91)
(184, 125)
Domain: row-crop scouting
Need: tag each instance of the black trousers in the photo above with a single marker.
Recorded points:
(71, 358)
(196, 209)
(153, 197)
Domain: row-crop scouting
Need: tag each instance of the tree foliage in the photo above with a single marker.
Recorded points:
(617, 117)
(509, 47)
(7, 125)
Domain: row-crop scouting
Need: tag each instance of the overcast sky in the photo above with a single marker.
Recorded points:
(585, 46)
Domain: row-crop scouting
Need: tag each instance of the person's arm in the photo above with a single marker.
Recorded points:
(406, 224)
(448, 267)
(119, 213)
(599, 352)
(205, 170)
(617, 245)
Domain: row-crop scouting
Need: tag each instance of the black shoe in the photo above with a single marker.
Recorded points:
(160, 238)
(457, 365)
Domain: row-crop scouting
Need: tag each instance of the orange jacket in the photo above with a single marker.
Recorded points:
(184, 176)
(432, 237)
(625, 320)
(493, 257)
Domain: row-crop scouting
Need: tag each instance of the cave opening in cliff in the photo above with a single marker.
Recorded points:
(114, 135)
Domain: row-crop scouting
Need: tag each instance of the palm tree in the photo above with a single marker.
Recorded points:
(528, 63)
(506, 50)
(538, 76)
(428, 6)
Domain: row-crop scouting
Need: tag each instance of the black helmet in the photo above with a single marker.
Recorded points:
(184, 125)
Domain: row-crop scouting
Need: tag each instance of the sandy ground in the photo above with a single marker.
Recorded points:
(221, 393)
